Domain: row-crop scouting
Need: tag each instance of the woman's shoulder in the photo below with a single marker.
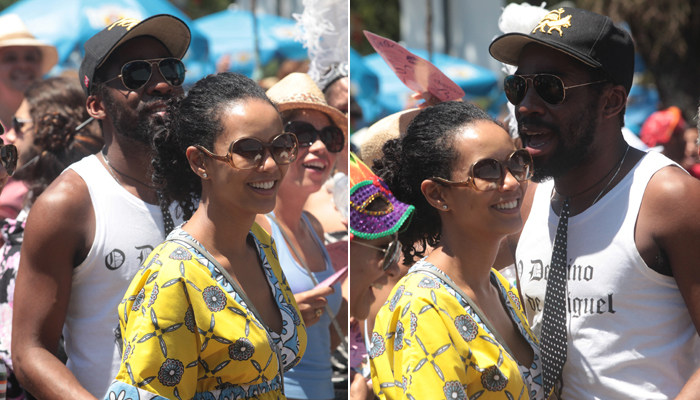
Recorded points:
(417, 290)
(314, 224)
(172, 259)
(260, 234)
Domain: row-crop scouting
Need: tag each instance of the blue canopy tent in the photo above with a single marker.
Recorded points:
(68, 24)
(230, 33)
(476, 81)
(364, 87)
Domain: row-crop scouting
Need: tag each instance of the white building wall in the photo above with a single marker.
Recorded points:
(284, 8)
(471, 25)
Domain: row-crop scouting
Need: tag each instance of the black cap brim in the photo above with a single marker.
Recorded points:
(169, 30)
(507, 49)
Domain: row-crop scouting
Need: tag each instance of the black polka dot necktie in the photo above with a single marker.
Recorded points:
(553, 337)
(168, 223)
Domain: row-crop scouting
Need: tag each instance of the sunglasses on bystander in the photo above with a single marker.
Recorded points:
(331, 136)
(391, 252)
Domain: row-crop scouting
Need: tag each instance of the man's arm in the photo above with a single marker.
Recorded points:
(58, 236)
(671, 213)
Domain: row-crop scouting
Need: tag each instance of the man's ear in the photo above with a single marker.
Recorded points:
(434, 192)
(95, 106)
(615, 101)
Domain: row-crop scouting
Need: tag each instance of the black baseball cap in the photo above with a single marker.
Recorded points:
(589, 37)
(171, 31)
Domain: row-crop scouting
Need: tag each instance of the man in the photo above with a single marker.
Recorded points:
(88, 233)
(622, 292)
(23, 61)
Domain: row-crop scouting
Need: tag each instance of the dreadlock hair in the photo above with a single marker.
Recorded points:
(427, 150)
(56, 107)
(194, 120)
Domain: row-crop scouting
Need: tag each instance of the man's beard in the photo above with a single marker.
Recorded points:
(138, 128)
(571, 150)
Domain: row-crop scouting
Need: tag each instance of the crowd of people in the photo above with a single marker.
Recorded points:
(134, 267)
(601, 237)
(190, 244)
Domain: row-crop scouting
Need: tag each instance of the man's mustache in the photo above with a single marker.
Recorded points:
(160, 98)
(533, 123)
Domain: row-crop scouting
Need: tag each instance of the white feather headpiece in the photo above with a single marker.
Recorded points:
(323, 28)
(519, 18)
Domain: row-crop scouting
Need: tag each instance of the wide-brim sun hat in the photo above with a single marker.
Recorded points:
(297, 91)
(14, 33)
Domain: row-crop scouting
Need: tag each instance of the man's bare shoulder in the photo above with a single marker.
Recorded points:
(61, 221)
(673, 191)
(672, 201)
(67, 196)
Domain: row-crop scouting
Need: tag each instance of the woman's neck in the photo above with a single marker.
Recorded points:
(288, 210)
(466, 258)
(225, 237)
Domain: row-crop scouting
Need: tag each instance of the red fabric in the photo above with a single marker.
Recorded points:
(659, 127)
(695, 170)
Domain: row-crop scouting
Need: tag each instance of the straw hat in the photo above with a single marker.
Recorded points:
(385, 129)
(298, 91)
(13, 32)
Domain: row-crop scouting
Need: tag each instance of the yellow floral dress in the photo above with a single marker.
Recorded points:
(428, 343)
(186, 334)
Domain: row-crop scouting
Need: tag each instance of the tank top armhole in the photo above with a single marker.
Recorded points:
(647, 167)
(319, 242)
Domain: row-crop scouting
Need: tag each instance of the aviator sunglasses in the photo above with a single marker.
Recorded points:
(489, 173)
(136, 74)
(550, 88)
(248, 152)
(18, 124)
(391, 252)
(331, 136)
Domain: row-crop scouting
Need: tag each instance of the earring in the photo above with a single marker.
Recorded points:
(205, 175)
(444, 207)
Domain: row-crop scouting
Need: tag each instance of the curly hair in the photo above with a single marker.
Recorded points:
(427, 150)
(56, 107)
(194, 120)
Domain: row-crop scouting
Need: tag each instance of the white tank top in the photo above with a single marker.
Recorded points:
(629, 332)
(126, 231)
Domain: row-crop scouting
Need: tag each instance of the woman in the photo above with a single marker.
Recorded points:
(320, 130)
(375, 218)
(44, 132)
(453, 327)
(210, 316)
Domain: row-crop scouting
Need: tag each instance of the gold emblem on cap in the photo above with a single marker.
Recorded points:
(554, 21)
(127, 23)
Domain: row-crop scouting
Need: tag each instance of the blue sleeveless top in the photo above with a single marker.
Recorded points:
(311, 378)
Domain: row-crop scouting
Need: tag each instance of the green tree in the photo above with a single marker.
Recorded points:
(199, 8)
(667, 35)
(380, 17)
